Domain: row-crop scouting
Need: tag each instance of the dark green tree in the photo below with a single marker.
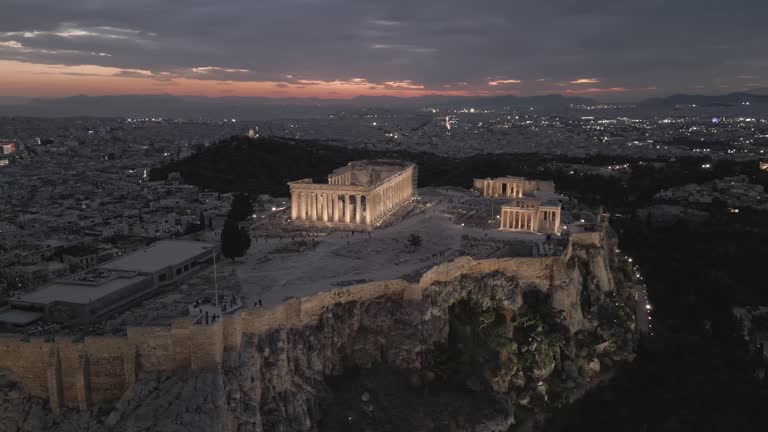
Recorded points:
(241, 208)
(414, 240)
(235, 240)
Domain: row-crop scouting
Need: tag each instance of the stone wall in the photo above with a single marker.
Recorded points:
(78, 374)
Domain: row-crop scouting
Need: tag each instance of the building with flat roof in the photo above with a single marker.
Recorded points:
(166, 260)
(84, 295)
(92, 293)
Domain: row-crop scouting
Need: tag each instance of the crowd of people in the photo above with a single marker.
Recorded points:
(220, 305)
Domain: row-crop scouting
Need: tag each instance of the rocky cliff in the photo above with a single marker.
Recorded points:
(478, 351)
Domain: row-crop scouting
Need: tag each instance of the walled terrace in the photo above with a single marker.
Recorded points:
(78, 373)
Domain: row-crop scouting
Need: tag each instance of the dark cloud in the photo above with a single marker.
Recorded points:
(397, 44)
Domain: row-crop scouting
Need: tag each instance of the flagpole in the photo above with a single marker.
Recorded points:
(215, 282)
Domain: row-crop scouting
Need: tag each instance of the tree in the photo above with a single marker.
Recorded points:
(414, 240)
(241, 208)
(235, 240)
(210, 222)
(202, 219)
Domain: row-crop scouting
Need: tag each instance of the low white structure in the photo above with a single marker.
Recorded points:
(90, 294)
(166, 260)
(356, 196)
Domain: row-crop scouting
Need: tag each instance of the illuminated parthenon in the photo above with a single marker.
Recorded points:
(512, 187)
(355, 196)
(531, 214)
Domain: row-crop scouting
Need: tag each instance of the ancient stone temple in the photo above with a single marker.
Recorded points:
(512, 187)
(531, 214)
(356, 196)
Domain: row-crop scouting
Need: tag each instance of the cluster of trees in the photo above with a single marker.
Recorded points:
(235, 239)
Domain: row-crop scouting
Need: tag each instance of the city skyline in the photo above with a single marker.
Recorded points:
(341, 49)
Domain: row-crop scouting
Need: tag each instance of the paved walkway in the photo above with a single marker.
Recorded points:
(225, 307)
(342, 258)
(642, 310)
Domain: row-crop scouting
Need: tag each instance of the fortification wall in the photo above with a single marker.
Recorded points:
(530, 271)
(78, 374)
(313, 306)
(590, 239)
(28, 362)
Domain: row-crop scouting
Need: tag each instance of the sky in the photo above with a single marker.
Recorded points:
(346, 48)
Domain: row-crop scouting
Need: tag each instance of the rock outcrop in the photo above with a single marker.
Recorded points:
(506, 342)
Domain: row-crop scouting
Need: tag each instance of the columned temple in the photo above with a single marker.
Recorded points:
(531, 214)
(355, 196)
(528, 210)
(512, 187)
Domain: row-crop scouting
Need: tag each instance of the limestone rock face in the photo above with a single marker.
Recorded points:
(520, 348)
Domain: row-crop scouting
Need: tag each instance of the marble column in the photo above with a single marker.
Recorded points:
(346, 208)
(302, 206)
(334, 207)
(311, 203)
(358, 209)
(294, 204)
(325, 207)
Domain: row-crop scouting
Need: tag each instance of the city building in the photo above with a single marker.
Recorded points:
(166, 260)
(90, 294)
(7, 147)
(355, 196)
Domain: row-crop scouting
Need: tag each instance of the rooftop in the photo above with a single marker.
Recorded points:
(19, 317)
(81, 288)
(159, 255)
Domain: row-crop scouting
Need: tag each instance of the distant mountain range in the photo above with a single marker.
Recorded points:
(262, 108)
(757, 97)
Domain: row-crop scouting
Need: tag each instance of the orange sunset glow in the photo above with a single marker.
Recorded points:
(57, 80)
(28, 79)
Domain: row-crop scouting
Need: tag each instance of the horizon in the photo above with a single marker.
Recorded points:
(598, 99)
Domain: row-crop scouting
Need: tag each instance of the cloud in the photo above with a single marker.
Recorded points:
(403, 47)
(386, 23)
(502, 82)
(407, 84)
(207, 69)
(11, 44)
(71, 31)
(18, 47)
(585, 81)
